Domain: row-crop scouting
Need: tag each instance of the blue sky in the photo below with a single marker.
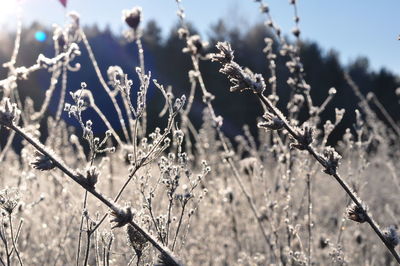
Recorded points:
(353, 28)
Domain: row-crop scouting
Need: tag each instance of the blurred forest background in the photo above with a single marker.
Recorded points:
(164, 58)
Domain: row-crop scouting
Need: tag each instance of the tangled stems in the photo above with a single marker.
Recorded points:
(246, 80)
(337, 177)
(146, 160)
(119, 214)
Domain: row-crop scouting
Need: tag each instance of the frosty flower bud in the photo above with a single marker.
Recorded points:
(243, 79)
(133, 17)
(183, 33)
(115, 74)
(271, 122)
(59, 38)
(92, 175)
(195, 45)
(225, 54)
(332, 91)
(179, 135)
(357, 213)
(332, 159)
(328, 127)
(179, 103)
(273, 98)
(218, 122)
(208, 97)
(9, 199)
(75, 18)
(8, 112)
(83, 97)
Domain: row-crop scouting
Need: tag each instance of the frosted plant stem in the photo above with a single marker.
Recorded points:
(104, 84)
(143, 126)
(49, 93)
(13, 241)
(230, 161)
(110, 204)
(385, 113)
(337, 177)
(309, 218)
(138, 165)
(80, 230)
(108, 124)
(129, 113)
(64, 80)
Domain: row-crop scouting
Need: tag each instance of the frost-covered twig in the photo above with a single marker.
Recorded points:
(303, 138)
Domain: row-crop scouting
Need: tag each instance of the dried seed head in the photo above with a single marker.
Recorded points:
(304, 138)
(8, 112)
(357, 213)
(92, 175)
(243, 79)
(42, 162)
(332, 159)
(132, 17)
(122, 217)
(272, 122)
(9, 199)
(136, 240)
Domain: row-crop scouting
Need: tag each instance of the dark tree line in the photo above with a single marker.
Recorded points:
(167, 63)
